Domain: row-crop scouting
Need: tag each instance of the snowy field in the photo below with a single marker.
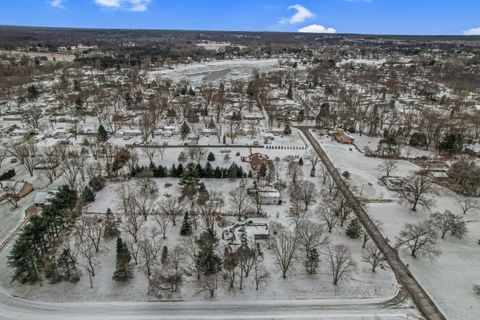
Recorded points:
(448, 278)
(299, 285)
(216, 71)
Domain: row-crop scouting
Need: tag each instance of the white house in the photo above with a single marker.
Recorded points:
(269, 195)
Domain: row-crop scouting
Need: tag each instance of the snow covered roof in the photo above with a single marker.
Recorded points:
(42, 197)
(269, 192)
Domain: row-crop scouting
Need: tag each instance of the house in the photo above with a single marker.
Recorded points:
(342, 137)
(14, 188)
(42, 197)
(269, 195)
(254, 228)
(207, 132)
(392, 183)
(256, 160)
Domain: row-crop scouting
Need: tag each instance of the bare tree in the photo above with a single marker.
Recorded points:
(467, 204)
(12, 193)
(308, 193)
(447, 221)
(150, 247)
(208, 285)
(192, 252)
(172, 208)
(92, 227)
(419, 238)
(3, 155)
(259, 272)
(311, 235)
(328, 216)
(29, 155)
(416, 189)
(240, 202)
(297, 211)
(314, 159)
(145, 196)
(163, 223)
(374, 256)
(150, 152)
(134, 249)
(365, 235)
(388, 166)
(70, 168)
(50, 160)
(340, 262)
(87, 252)
(285, 249)
(340, 207)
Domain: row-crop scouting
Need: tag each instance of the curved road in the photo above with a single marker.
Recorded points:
(420, 297)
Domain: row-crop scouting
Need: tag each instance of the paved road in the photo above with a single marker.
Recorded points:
(349, 309)
(420, 297)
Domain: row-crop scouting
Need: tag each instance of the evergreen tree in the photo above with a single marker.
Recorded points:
(290, 92)
(179, 171)
(186, 228)
(218, 173)
(301, 116)
(102, 133)
(184, 130)
(88, 195)
(354, 229)
(211, 157)
(38, 236)
(312, 262)
(33, 92)
(208, 170)
(199, 170)
(287, 130)
(262, 172)
(209, 262)
(164, 256)
(68, 266)
(111, 225)
(123, 268)
(300, 161)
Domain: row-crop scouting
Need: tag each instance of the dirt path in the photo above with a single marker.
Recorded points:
(420, 297)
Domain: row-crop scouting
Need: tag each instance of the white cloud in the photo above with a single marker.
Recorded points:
(299, 17)
(56, 3)
(316, 28)
(130, 5)
(472, 32)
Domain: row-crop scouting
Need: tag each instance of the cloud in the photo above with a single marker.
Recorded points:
(130, 5)
(56, 3)
(472, 32)
(316, 28)
(299, 17)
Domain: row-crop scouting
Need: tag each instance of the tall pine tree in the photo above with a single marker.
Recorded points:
(123, 268)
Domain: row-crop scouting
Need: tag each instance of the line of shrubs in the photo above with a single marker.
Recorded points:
(207, 171)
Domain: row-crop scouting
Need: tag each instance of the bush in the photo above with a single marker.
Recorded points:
(97, 183)
(211, 157)
(7, 175)
(88, 195)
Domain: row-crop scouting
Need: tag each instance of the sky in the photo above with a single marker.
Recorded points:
(422, 17)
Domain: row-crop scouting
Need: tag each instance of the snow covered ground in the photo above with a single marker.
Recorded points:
(364, 284)
(225, 70)
(448, 278)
